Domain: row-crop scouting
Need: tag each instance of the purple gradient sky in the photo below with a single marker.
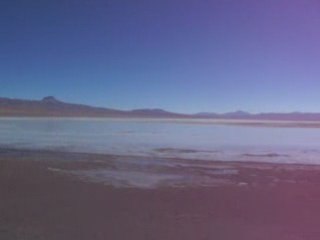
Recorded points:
(180, 55)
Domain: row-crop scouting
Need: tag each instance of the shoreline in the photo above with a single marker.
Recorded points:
(30, 154)
(267, 201)
(199, 121)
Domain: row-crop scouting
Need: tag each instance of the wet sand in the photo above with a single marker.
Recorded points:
(260, 202)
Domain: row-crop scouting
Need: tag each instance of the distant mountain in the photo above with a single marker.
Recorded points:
(156, 112)
(50, 99)
(237, 114)
(52, 107)
(294, 116)
(207, 115)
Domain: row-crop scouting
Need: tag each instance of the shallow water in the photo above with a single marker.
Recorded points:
(167, 139)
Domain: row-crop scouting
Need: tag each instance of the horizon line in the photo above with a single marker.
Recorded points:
(238, 111)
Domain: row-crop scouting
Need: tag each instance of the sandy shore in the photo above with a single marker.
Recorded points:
(260, 202)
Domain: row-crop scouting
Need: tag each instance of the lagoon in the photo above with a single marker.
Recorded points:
(207, 140)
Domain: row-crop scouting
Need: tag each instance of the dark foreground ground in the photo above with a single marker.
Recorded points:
(268, 202)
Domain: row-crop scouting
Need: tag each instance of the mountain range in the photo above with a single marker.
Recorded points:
(52, 107)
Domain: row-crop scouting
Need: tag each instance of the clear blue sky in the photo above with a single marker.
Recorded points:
(180, 55)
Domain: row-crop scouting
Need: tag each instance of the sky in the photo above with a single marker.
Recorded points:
(180, 55)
